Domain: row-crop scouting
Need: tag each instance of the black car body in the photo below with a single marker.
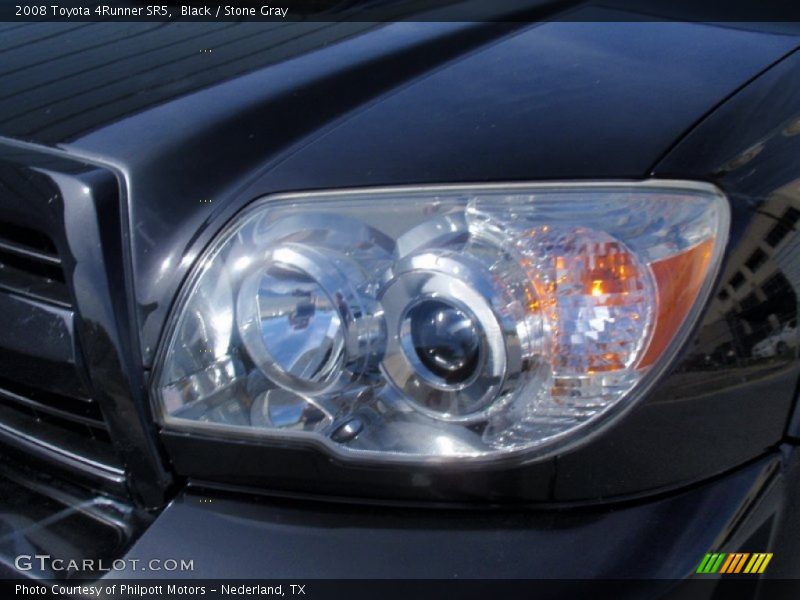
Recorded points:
(125, 149)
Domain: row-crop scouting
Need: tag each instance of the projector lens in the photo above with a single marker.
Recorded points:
(446, 341)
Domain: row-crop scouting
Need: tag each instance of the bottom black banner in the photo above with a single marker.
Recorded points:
(386, 589)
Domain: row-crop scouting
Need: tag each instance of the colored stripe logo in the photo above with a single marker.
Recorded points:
(735, 562)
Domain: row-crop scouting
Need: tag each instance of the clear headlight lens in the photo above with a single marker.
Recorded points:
(439, 322)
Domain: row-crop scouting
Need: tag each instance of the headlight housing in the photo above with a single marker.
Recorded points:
(439, 323)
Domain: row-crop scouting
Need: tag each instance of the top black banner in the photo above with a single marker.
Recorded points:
(783, 13)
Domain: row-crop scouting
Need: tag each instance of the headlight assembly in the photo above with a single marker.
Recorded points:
(440, 323)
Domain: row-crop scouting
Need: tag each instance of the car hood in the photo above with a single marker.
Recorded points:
(60, 82)
(199, 119)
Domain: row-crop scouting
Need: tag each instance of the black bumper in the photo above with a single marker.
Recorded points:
(230, 535)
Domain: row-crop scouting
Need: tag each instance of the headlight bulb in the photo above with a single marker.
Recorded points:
(301, 310)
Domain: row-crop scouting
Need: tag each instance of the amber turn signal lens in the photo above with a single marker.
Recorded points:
(678, 281)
